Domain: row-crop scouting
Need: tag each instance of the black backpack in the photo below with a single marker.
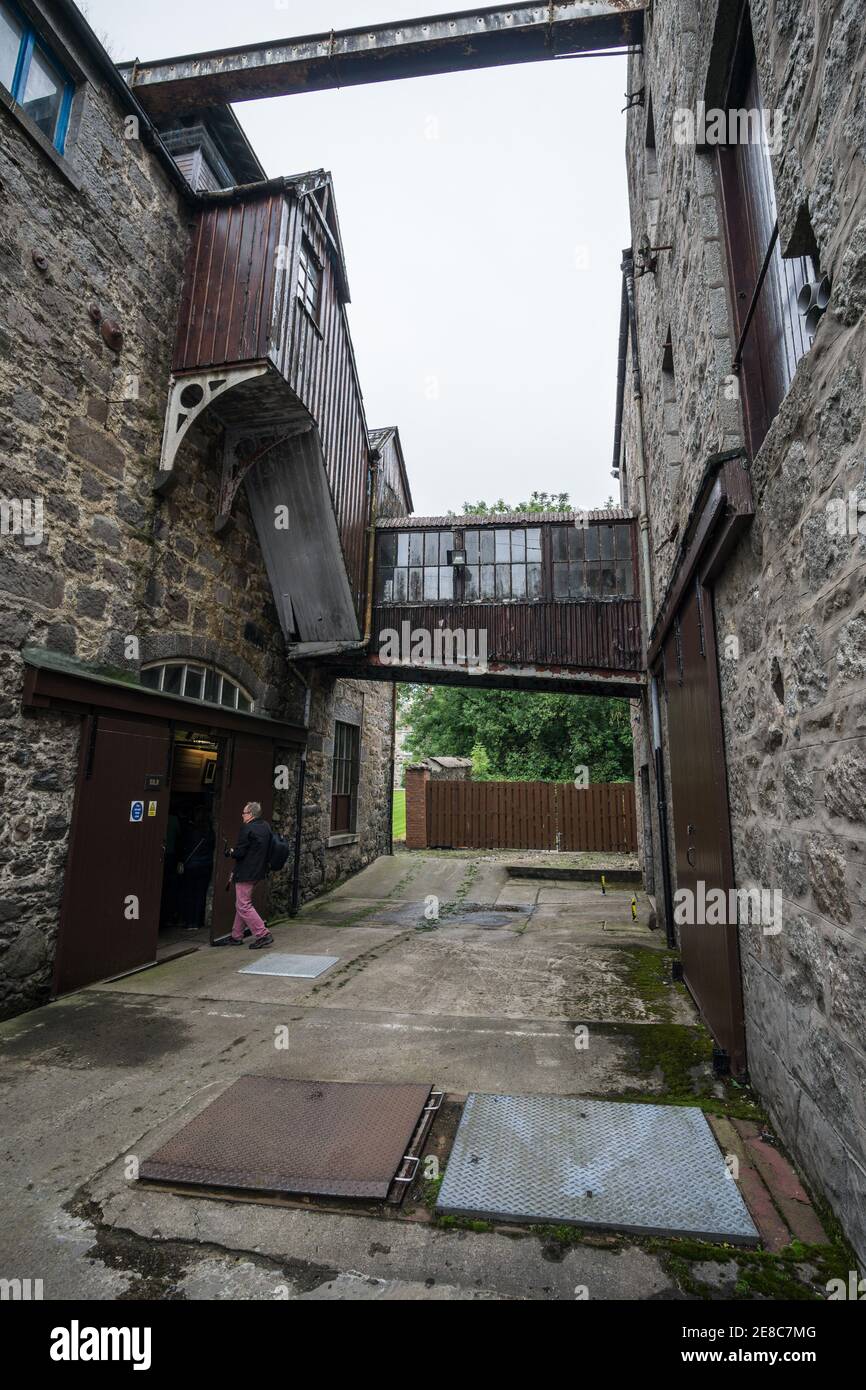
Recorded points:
(278, 852)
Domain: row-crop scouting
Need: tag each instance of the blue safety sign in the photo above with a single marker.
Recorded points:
(136, 810)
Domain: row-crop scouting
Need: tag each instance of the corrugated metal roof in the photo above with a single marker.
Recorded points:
(447, 523)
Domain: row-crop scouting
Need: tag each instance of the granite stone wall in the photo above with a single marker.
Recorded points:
(103, 234)
(790, 607)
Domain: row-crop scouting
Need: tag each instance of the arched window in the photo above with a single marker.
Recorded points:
(196, 681)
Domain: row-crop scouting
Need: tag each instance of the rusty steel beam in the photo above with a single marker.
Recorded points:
(522, 33)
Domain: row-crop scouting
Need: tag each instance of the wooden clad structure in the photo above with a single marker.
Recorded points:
(531, 815)
(265, 283)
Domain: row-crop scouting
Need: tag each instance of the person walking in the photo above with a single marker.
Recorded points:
(251, 856)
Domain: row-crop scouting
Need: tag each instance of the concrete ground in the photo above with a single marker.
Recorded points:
(449, 972)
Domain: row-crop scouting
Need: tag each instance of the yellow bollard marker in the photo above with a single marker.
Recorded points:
(603, 885)
(633, 908)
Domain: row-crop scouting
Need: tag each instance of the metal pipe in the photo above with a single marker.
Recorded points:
(299, 805)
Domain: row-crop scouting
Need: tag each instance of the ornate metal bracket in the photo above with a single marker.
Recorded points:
(188, 398)
(241, 452)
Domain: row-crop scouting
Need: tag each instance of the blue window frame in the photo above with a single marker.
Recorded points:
(33, 76)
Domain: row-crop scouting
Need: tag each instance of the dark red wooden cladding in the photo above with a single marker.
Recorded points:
(602, 635)
(240, 304)
(531, 815)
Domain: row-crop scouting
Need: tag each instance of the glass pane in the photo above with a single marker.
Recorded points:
(470, 582)
(470, 540)
(150, 677)
(388, 548)
(487, 583)
(605, 540)
(446, 543)
(402, 548)
(446, 582)
(518, 545)
(590, 540)
(624, 578)
(431, 585)
(10, 42)
(194, 682)
(401, 586)
(416, 585)
(623, 542)
(503, 546)
(384, 585)
(533, 543)
(593, 581)
(173, 679)
(533, 581)
(560, 580)
(576, 542)
(518, 581)
(431, 548)
(486, 547)
(243, 702)
(560, 542)
(416, 548)
(577, 582)
(229, 696)
(608, 579)
(43, 93)
(503, 581)
(211, 687)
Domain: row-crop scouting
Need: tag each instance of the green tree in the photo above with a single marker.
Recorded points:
(514, 735)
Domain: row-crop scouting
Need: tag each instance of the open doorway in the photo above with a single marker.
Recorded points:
(190, 843)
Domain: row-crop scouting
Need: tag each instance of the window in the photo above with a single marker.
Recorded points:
(592, 562)
(771, 335)
(309, 279)
(344, 784)
(503, 564)
(33, 77)
(197, 682)
(415, 567)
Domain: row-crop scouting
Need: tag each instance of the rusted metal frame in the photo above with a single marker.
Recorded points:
(463, 40)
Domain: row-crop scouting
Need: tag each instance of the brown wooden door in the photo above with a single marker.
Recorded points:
(248, 775)
(110, 915)
(710, 953)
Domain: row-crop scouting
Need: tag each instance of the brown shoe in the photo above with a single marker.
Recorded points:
(267, 940)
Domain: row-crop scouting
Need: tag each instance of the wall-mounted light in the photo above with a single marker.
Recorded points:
(458, 557)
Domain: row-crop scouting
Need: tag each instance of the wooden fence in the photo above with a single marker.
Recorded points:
(531, 815)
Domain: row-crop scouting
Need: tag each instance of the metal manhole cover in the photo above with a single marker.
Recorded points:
(331, 1138)
(303, 967)
(641, 1168)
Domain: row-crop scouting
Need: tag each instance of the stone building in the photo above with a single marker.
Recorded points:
(145, 665)
(740, 447)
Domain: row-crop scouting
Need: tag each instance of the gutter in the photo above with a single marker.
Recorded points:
(150, 136)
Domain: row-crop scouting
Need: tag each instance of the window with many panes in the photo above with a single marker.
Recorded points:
(416, 567)
(309, 279)
(196, 682)
(502, 563)
(33, 76)
(344, 781)
(592, 562)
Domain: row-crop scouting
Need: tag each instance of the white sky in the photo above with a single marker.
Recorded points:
(483, 217)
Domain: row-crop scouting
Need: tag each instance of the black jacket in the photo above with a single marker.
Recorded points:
(251, 852)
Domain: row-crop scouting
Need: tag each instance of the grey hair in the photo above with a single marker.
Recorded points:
(254, 808)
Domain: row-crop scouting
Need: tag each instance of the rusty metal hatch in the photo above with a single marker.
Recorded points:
(268, 1134)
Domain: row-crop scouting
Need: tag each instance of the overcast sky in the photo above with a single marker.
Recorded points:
(483, 216)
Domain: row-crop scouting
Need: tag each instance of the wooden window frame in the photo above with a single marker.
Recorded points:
(345, 776)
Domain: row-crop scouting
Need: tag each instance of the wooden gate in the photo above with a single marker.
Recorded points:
(531, 815)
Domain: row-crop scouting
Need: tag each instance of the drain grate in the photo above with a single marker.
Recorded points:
(301, 967)
(329, 1138)
(641, 1168)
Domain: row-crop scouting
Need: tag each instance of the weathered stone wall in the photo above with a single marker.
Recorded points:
(80, 429)
(794, 680)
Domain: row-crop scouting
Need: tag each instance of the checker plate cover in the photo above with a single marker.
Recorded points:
(639, 1168)
(300, 967)
(332, 1138)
